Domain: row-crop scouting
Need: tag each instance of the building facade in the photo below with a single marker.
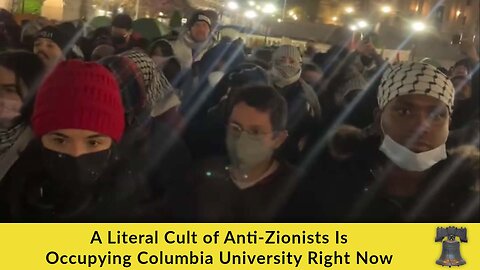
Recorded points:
(6, 4)
(447, 16)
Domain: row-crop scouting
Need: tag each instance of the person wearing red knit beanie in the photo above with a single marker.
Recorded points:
(78, 109)
(73, 171)
(78, 115)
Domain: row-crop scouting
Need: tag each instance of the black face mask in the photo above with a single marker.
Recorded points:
(75, 173)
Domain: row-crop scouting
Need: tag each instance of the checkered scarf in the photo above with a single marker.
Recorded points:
(412, 78)
(132, 87)
(9, 136)
(156, 85)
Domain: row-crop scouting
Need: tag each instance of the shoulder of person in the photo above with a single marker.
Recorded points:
(285, 168)
(28, 161)
(209, 171)
(347, 141)
(293, 92)
(463, 163)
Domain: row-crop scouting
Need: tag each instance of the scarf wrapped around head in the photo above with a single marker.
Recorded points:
(132, 88)
(287, 65)
(413, 78)
(9, 136)
(156, 84)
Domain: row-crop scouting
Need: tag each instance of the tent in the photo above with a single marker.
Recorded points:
(100, 21)
(150, 28)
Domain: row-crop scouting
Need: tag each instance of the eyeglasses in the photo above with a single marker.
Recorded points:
(237, 130)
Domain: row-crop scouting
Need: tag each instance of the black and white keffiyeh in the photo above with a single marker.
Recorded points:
(413, 78)
(9, 136)
(156, 84)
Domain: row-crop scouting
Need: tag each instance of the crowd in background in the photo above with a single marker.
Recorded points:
(108, 126)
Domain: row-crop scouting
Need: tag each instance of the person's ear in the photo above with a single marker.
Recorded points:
(280, 138)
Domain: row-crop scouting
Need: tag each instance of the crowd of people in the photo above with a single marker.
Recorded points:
(110, 127)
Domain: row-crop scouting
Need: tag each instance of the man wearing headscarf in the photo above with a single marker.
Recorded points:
(303, 105)
(404, 173)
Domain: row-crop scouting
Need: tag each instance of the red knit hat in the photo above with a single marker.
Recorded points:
(79, 95)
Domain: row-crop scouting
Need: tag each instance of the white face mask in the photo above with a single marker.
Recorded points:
(215, 77)
(247, 151)
(408, 160)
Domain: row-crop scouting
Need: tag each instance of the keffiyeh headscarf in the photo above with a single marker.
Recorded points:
(156, 85)
(412, 78)
(132, 88)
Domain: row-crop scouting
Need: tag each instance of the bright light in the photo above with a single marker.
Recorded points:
(418, 26)
(161, 14)
(295, 17)
(386, 9)
(269, 8)
(232, 5)
(184, 20)
(250, 14)
(291, 13)
(335, 19)
(349, 10)
(258, 7)
(102, 12)
(458, 13)
(251, 3)
(362, 24)
(279, 20)
(120, 10)
(353, 27)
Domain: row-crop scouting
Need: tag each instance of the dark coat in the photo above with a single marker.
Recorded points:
(196, 97)
(158, 153)
(351, 189)
(119, 195)
(212, 196)
(468, 110)
(303, 120)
